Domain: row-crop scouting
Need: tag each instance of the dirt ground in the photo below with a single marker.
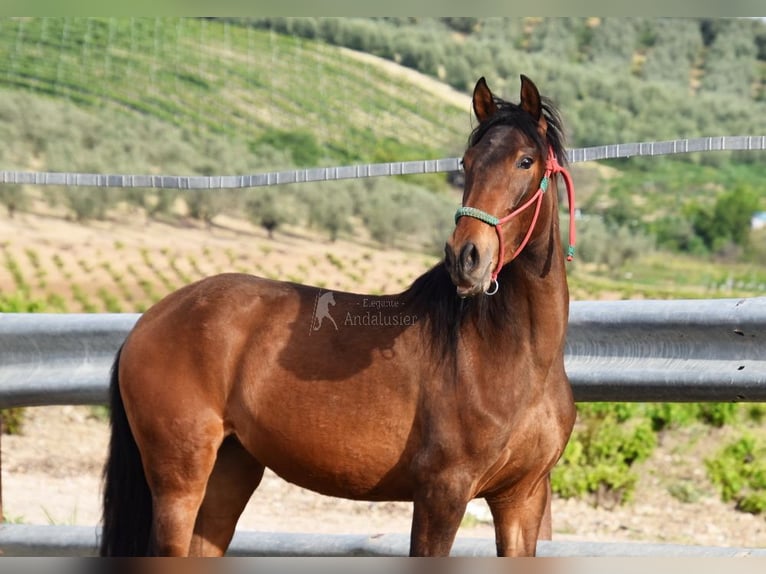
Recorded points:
(51, 475)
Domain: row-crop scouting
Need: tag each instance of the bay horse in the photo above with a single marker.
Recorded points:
(452, 390)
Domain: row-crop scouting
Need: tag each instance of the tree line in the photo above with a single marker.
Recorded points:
(616, 79)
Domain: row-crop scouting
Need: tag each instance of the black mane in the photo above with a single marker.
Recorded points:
(433, 298)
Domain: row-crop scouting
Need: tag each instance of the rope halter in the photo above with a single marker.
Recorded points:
(552, 167)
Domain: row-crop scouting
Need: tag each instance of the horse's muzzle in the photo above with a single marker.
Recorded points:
(468, 269)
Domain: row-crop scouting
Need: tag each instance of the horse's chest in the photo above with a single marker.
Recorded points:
(505, 439)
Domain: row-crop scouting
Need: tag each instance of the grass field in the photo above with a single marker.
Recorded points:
(219, 79)
(663, 275)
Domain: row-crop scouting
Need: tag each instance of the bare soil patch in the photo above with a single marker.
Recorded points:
(52, 475)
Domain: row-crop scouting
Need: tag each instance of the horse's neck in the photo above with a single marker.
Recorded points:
(545, 287)
(539, 281)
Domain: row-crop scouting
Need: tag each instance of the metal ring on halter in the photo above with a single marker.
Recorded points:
(491, 291)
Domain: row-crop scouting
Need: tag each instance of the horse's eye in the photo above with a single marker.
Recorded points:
(525, 163)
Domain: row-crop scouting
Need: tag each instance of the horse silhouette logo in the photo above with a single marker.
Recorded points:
(322, 310)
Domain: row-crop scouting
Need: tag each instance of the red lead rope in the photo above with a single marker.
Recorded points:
(552, 167)
(558, 168)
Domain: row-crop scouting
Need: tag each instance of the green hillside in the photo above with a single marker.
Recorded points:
(210, 79)
(617, 79)
(196, 96)
(211, 96)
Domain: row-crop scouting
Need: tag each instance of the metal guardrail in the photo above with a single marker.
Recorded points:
(690, 350)
(59, 540)
(674, 351)
(315, 174)
(58, 359)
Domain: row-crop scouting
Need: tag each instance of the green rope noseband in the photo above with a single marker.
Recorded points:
(476, 214)
(486, 217)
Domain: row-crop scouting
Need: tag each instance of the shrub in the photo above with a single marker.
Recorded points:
(665, 416)
(13, 197)
(20, 303)
(621, 412)
(684, 492)
(676, 233)
(718, 414)
(329, 207)
(739, 472)
(609, 245)
(270, 208)
(728, 220)
(88, 203)
(205, 204)
(161, 204)
(598, 460)
(755, 413)
(12, 420)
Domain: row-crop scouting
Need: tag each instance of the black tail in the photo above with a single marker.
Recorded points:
(127, 507)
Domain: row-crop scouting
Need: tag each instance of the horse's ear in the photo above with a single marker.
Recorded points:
(483, 102)
(531, 103)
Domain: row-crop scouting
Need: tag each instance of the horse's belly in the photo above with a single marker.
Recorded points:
(338, 438)
(339, 463)
(351, 479)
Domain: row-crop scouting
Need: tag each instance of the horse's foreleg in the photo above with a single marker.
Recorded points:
(517, 516)
(546, 525)
(438, 508)
(234, 478)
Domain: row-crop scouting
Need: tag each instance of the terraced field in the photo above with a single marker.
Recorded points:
(125, 264)
(118, 266)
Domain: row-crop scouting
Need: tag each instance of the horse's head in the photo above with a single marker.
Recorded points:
(510, 158)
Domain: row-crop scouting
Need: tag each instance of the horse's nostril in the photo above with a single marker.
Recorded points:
(469, 257)
(449, 256)
(447, 252)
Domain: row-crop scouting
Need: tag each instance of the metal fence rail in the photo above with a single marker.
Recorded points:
(315, 174)
(676, 351)
(58, 359)
(59, 540)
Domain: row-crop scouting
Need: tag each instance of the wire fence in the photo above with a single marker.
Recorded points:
(182, 182)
